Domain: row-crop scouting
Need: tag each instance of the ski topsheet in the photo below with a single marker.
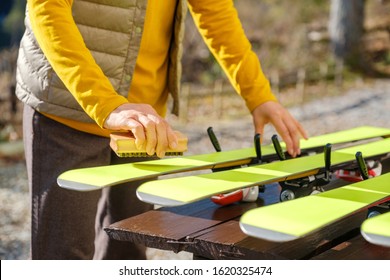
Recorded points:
(297, 218)
(93, 178)
(376, 230)
(183, 190)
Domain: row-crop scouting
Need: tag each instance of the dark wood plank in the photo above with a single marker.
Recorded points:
(227, 241)
(169, 228)
(356, 248)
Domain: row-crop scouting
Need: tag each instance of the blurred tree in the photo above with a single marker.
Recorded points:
(346, 31)
(5, 7)
(12, 24)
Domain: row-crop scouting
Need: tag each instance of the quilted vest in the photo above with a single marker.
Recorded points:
(40, 87)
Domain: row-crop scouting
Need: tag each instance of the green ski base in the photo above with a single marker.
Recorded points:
(297, 218)
(376, 230)
(94, 178)
(184, 190)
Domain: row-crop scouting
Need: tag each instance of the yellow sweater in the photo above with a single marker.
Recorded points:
(218, 23)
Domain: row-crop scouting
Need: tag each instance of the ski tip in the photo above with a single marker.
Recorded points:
(375, 230)
(266, 234)
(376, 239)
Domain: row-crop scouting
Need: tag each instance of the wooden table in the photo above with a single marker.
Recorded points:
(212, 232)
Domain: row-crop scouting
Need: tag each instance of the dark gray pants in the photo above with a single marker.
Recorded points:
(68, 224)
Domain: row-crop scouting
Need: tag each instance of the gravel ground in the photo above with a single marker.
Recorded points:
(368, 105)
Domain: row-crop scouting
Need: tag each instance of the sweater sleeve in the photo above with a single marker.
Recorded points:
(221, 29)
(64, 47)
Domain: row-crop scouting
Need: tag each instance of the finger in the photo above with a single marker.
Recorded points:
(283, 131)
(162, 142)
(296, 131)
(294, 136)
(150, 133)
(302, 131)
(296, 141)
(292, 130)
(172, 139)
(138, 131)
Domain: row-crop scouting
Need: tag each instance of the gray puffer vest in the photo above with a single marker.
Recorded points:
(39, 86)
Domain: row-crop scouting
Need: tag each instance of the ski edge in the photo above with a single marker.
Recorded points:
(82, 187)
(371, 236)
(157, 200)
(267, 234)
(376, 239)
